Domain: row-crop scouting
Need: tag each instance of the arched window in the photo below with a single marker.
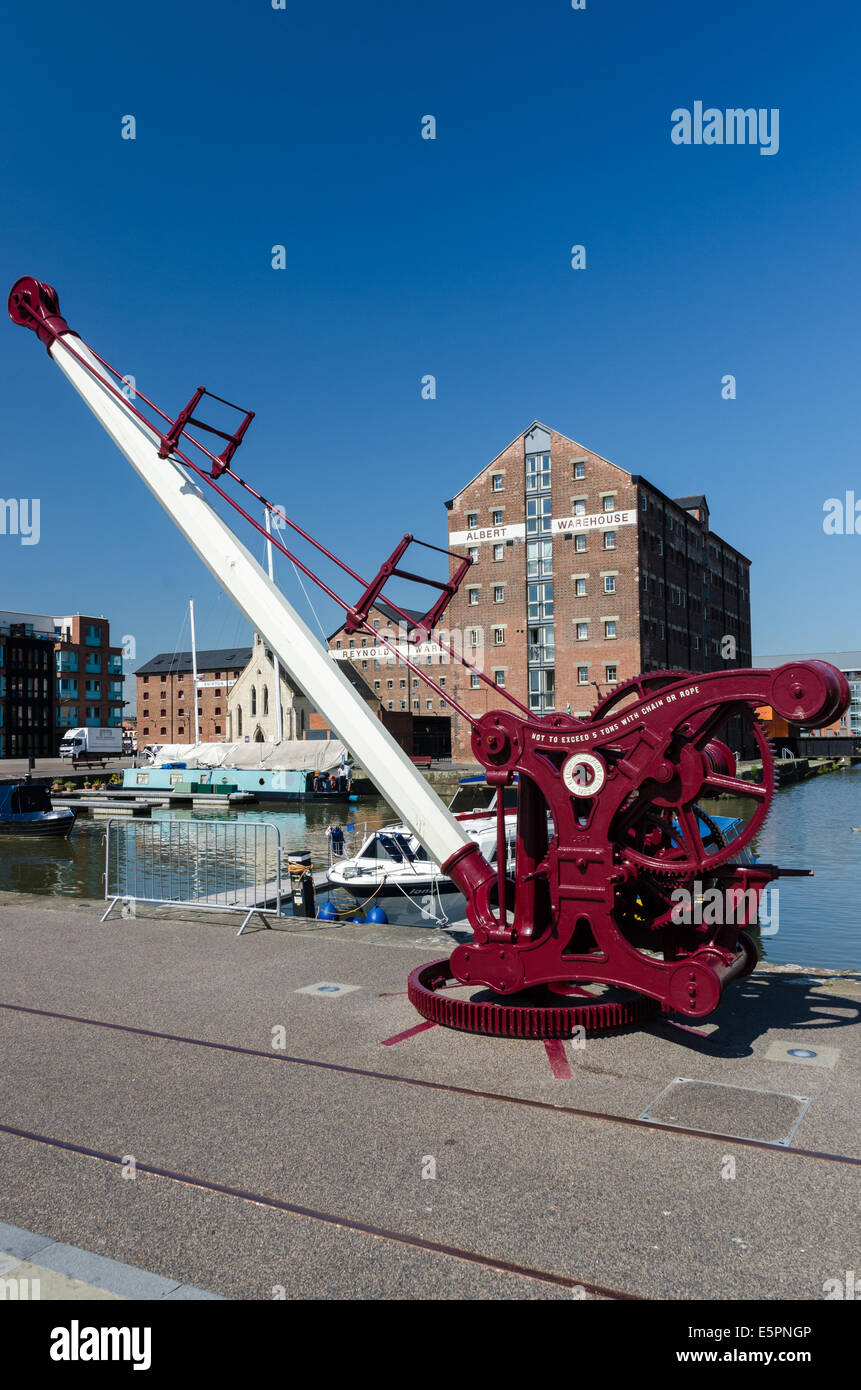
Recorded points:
(239, 719)
(253, 700)
(266, 699)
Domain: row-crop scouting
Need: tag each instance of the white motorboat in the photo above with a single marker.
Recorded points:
(394, 872)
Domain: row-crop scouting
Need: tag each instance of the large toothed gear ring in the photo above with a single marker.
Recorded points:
(515, 1017)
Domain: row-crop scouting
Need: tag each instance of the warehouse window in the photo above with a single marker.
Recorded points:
(537, 472)
(539, 602)
(539, 559)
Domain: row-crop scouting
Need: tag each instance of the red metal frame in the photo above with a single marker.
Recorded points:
(585, 904)
(358, 615)
(170, 440)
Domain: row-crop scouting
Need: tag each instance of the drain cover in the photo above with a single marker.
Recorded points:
(736, 1111)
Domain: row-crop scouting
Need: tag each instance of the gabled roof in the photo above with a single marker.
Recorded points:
(171, 663)
(541, 425)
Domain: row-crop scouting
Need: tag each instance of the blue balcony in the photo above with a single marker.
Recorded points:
(115, 665)
(67, 689)
(94, 664)
(93, 636)
(67, 661)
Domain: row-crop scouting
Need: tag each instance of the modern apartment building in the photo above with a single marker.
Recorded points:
(584, 575)
(165, 695)
(55, 674)
(89, 675)
(27, 686)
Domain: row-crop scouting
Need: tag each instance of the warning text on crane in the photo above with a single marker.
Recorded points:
(623, 724)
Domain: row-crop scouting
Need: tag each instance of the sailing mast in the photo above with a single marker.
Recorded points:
(194, 672)
(279, 720)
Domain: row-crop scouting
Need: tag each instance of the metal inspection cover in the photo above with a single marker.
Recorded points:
(817, 1056)
(327, 989)
(736, 1111)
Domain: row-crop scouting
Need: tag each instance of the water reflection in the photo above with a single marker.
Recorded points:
(809, 827)
(75, 867)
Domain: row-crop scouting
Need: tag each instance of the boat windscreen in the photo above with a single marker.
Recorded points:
(26, 800)
(472, 796)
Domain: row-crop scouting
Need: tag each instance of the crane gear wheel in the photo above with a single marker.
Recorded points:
(508, 1018)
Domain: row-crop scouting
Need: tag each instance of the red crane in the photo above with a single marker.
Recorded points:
(609, 826)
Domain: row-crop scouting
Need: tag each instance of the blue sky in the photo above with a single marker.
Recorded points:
(405, 256)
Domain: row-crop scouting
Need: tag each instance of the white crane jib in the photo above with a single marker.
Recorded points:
(34, 305)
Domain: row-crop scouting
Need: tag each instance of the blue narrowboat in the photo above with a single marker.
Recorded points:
(26, 809)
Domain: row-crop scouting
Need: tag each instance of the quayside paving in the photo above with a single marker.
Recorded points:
(287, 1158)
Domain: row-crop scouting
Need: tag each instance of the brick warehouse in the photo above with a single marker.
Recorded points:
(165, 695)
(584, 575)
(417, 718)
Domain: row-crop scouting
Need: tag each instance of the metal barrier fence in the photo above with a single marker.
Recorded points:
(218, 866)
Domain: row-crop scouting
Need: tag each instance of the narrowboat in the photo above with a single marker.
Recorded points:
(26, 809)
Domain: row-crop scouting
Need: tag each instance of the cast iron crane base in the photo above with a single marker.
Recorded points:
(498, 1017)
